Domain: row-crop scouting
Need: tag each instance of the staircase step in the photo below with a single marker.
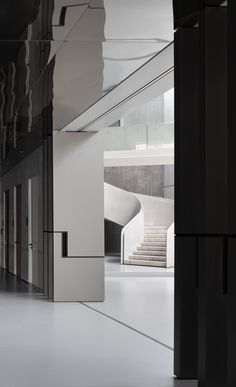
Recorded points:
(148, 257)
(153, 244)
(162, 236)
(150, 239)
(145, 263)
(151, 248)
(150, 252)
(147, 227)
(155, 231)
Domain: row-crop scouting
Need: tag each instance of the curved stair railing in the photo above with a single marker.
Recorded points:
(132, 235)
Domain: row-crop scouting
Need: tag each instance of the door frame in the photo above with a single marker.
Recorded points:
(6, 229)
(17, 229)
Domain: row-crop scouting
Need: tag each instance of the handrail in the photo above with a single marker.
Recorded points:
(132, 236)
(120, 206)
(170, 252)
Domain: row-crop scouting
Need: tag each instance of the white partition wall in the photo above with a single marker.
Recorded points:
(78, 195)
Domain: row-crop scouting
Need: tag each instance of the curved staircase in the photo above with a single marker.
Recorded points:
(153, 250)
(145, 245)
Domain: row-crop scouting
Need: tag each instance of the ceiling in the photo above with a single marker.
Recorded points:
(59, 57)
(94, 45)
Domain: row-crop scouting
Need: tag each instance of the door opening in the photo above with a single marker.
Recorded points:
(18, 231)
(6, 230)
(33, 232)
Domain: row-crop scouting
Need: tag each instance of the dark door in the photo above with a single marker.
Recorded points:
(18, 230)
(6, 229)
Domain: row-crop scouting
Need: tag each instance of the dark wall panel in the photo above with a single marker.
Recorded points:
(203, 211)
(112, 238)
(231, 116)
(212, 343)
(231, 312)
(213, 80)
(189, 137)
(186, 284)
(186, 11)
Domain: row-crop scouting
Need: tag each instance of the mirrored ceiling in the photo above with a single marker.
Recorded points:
(67, 54)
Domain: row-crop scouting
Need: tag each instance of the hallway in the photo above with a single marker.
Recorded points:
(45, 344)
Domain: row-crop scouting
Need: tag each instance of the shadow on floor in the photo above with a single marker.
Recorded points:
(9, 283)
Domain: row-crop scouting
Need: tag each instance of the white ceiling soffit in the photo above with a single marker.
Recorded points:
(152, 79)
(161, 156)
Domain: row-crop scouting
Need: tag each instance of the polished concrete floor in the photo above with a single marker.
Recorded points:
(111, 344)
(113, 268)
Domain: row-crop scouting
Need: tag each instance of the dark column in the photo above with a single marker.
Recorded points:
(188, 199)
(212, 339)
(202, 189)
(231, 308)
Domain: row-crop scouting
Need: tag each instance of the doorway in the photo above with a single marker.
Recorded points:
(33, 231)
(6, 229)
(18, 230)
(139, 189)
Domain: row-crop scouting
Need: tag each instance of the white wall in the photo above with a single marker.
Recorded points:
(78, 185)
(29, 167)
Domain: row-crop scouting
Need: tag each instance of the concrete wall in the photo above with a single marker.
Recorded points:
(29, 167)
(152, 180)
(78, 190)
(169, 181)
(146, 180)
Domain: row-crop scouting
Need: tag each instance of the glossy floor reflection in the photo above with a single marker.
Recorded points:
(44, 344)
(11, 284)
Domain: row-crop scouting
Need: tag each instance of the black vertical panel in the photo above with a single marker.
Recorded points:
(186, 283)
(186, 11)
(213, 114)
(231, 313)
(231, 308)
(231, 115)
(212, 296)
(189, 136)
(203, 178)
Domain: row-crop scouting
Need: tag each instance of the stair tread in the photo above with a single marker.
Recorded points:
(155, 234)
(153, 244)
(154, 239)
(154, 227)
(148, 257)
(150, 253)
(145, 263)
(151, 248)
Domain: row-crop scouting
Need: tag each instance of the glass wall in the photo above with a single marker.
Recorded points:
(150, 126)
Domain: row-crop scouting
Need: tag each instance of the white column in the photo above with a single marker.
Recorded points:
(78, 201)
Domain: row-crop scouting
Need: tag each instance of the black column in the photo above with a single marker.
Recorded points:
(188, 199)
(231, 305)
(202, 189)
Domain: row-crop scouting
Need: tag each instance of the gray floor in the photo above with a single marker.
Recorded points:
(71, 345)
(113, 268)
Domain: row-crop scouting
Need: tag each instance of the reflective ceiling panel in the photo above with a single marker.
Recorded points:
(86, 20)
(62, 56)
